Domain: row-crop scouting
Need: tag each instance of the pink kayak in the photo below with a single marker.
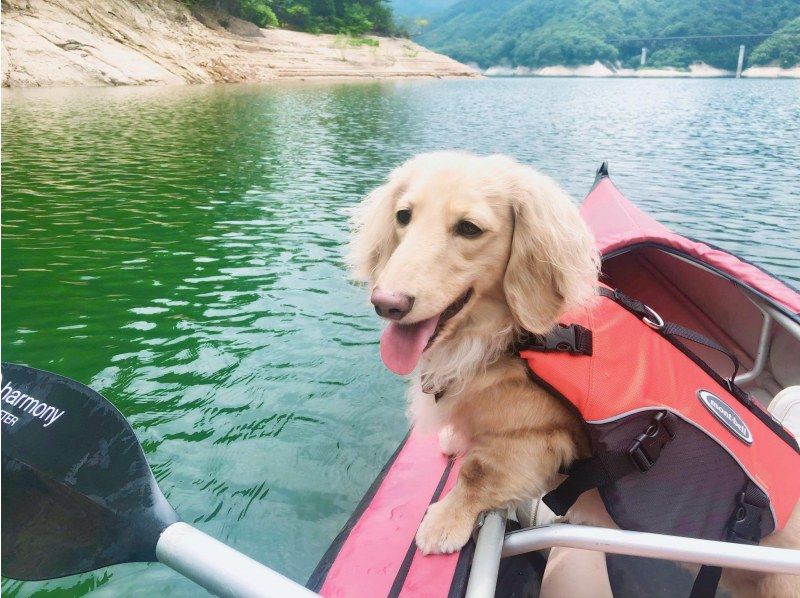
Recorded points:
(702, 287)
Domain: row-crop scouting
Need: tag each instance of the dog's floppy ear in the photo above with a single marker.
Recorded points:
(553, 265)
(372, 233)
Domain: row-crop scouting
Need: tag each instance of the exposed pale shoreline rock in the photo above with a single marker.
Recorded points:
(697, 70)
(152, 42)
(772, 72)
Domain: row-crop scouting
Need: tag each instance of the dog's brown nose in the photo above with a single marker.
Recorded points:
(391, 305)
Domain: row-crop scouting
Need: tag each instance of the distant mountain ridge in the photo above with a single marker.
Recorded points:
(537, 33)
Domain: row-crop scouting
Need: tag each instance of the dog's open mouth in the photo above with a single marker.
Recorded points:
(452, 309)
(403, 344)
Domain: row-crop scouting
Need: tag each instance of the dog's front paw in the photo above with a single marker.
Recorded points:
(444, 529)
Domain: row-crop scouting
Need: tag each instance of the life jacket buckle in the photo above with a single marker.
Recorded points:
(745, 526)
(561, 338)
(646, 449)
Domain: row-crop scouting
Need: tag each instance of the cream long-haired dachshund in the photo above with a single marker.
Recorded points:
(462, 253)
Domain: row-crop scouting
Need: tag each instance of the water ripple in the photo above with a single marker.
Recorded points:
(180, 250)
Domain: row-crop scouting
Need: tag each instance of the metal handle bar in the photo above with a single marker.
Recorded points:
(674, 548)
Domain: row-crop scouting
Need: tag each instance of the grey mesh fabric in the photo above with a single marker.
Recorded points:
(690, 491)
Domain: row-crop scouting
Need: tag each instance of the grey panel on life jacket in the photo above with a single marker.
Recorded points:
(690, 491)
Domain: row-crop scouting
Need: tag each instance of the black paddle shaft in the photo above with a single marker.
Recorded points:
(77, 492)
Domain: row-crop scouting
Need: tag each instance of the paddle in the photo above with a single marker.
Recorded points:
(78, 494)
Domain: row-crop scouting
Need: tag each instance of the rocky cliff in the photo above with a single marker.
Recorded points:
(137, 42)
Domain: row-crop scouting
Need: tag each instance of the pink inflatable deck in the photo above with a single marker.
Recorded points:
(375, 555)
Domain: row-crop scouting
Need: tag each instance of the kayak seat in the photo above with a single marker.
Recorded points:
(785, 407)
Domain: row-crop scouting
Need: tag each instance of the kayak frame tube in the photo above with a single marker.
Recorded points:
(659, 546)
(219, 568)
(486, 560)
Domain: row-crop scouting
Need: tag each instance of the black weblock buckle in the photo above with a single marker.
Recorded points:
(646, 449)
(564, 338)
(745, 526)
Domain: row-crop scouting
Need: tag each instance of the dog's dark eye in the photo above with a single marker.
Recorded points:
(403, 217)
(465, 228)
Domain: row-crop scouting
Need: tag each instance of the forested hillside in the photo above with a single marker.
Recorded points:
(353, 17)
(537, 33)
(783, 47)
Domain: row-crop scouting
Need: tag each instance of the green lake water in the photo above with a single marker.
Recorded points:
(180, 250)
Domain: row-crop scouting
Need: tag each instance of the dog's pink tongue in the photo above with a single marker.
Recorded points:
(402, 345)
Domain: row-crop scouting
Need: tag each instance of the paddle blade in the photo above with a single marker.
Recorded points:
(77, 492)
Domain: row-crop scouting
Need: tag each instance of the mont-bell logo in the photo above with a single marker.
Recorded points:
(723, 412)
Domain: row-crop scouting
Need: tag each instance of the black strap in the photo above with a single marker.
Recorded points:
(744, 528)
(745, 524)
(642, 311)
(632, 305)
(609, 466)
(586, 474)
(673, 330)
(572, 338)
(577, 339)
(706, 582)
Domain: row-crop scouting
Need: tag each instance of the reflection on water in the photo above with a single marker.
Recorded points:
(180, 251)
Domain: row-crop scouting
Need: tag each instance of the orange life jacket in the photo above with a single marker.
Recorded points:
(676, 448)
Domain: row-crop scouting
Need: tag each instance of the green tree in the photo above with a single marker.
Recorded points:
(782, 48)
(538, 33)
(352, 17)
(259, 12)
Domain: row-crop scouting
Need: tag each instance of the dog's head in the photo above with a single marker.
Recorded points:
(452, 237)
